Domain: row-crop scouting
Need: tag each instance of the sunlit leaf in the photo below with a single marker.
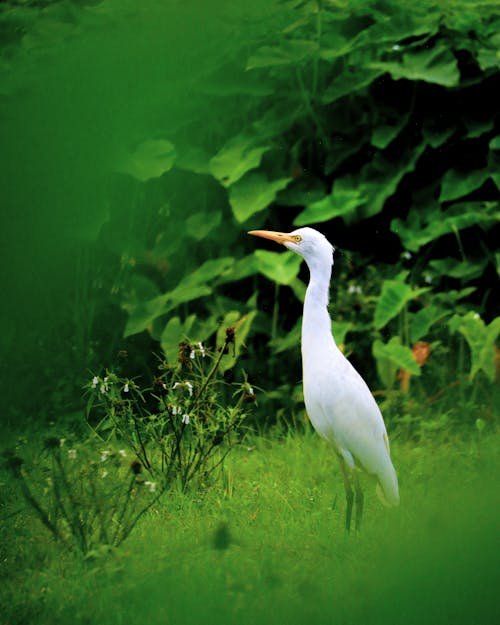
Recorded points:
(143, 313)
(342, 202)
(254, 193)
(393, 297)
(437, 65)
(457, 184)
(384, 134)
(238, 156)
(150, 159)
(280, 267)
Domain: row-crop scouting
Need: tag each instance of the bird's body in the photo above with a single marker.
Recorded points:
(339, 404)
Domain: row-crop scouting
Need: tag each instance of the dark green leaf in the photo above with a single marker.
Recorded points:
(393, 297)
(421, 322)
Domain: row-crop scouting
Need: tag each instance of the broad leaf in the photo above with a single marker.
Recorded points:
(150, 159)
(437, 65)
(362, 195)
(425, 225)
(241, 325)
(393, 297)
(456, 184)
(459, 269)
(280, 267)
(254, 193)
(392, 356)
(192, 330)
(238, 156)
(352, 79)
(342, 202)
(193, 286)
(423, 320)
(481, 341)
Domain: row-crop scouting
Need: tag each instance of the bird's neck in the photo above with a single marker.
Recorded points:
(316, 322)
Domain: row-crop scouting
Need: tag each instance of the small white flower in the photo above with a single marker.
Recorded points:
(192, 354)
(122, 453)
(104, 389)
(428, 279)
(353, 288)
(185, 419)
(396, 47)
(104, 474)
(61, 442)
(202, 349)
(477, 316)
(176, 410)
(406, 254)
(250, 391)
(104, 455)
(72, 454)
(187, 385)
(126, 388)
(151, 486)
(95, 381)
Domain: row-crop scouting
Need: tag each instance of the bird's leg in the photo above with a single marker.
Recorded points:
(349, 496)
(359, 501)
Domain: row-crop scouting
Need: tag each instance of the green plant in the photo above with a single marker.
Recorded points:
(182, 428)
(89, 497)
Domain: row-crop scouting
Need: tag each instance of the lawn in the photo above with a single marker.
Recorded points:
(266, 544)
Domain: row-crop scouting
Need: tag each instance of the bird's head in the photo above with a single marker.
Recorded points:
(313, 246)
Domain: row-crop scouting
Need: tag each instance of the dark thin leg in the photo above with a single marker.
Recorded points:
(349, 495)
(359, 502)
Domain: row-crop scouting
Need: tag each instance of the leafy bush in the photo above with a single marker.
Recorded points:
(91, 494)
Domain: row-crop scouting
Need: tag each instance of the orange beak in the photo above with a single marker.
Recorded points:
(279, 237)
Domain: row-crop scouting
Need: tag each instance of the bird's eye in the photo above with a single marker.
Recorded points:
(297, 238)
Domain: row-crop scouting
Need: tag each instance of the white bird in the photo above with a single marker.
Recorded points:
(340, 405)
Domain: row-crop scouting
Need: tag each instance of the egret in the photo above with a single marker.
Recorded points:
(338, 402)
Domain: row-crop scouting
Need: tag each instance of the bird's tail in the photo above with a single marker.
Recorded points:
(387, 487)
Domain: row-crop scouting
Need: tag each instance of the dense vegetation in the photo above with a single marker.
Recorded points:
(145, 335)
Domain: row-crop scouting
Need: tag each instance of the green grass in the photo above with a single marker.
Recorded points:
(267, 545)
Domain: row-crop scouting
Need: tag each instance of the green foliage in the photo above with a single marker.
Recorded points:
(191, 428)
(481, 339)
(374, 121)
(87, 496)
